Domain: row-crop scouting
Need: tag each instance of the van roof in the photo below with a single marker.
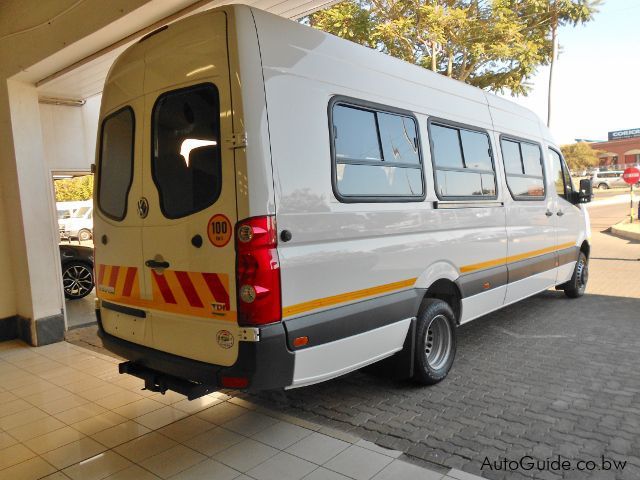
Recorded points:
(308, 39)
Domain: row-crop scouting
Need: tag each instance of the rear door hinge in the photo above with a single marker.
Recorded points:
(249, 334)
(237, 140)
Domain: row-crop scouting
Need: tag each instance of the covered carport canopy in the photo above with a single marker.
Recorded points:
(54, 58)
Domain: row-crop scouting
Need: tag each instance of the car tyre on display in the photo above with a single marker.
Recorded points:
(435, 347)
(575, 287)
(77, 279)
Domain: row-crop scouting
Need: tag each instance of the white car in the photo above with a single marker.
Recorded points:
(608, 179)
(79, 225)
(277, 207)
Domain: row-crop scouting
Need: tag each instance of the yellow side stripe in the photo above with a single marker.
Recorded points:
(389, 287)
(513, 258)
(346, 297)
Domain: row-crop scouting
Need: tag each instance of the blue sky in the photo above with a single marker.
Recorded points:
(597, 80)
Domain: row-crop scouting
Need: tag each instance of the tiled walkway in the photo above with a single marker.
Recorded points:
(65, 412)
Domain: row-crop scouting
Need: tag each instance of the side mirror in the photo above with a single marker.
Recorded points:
(586, 193)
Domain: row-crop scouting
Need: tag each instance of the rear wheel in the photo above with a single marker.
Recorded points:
(603, 186)
(575, 287)
(77, 279)
(435, 342)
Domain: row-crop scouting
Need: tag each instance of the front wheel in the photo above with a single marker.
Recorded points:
(84, 235)
(575, 287)
(435, 342)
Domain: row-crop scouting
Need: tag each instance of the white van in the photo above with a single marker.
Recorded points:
(276, 207)
(79, 225)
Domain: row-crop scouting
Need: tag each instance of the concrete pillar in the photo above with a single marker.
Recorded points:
(30, 213)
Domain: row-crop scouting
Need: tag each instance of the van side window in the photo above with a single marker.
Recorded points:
(523, 166)
(560, 167)
(376, 154)
(186, 162)
(116, 163)
(557, 174)
(462, 161)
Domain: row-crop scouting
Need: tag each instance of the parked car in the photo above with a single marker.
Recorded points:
(79, 225)
(607, 180)
(77, 270)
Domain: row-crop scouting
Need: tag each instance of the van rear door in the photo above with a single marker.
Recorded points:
(189, 185)
(117, 230)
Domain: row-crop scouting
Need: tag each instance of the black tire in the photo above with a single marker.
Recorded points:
(575, 287)
(84, 235)
(77, 280)
(431, 363)
(603, 186)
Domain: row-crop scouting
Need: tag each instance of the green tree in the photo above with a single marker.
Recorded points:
(74, 189)
(580, 155)
(496, 44)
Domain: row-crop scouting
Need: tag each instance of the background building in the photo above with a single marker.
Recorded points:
(622, 149)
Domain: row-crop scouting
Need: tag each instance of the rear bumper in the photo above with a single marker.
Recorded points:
(267, 364)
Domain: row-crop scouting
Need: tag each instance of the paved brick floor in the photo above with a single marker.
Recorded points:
(548, 376)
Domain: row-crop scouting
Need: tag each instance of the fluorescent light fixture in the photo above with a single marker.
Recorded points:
(67, 102)
(189, 144)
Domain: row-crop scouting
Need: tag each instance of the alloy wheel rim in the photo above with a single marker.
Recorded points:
(437, 342)
(582, 274)
(77, 280)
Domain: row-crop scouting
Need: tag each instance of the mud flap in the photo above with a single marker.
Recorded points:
(400, 365)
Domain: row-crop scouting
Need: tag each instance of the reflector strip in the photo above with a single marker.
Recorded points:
(128, 283)
(216, 288)
(189, 290)
(166, 292)
(114, 276)
(101, 274)
(347, 297)
(197, 294)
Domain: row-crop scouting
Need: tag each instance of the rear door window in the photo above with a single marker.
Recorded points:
(186, 162)
(116, 163)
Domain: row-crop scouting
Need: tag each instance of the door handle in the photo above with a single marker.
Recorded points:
(548, 213)
(560, 213)
(155, 264)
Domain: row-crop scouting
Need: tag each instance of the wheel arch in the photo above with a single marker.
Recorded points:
(439, 281)
(447, 291)
(585, 248)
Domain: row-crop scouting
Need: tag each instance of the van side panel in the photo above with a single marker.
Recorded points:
(346, 253)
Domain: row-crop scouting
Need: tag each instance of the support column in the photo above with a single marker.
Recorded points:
(29, 208)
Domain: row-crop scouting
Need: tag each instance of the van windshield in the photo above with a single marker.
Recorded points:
(81, 212)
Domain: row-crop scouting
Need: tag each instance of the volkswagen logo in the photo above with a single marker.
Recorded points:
(143, 207)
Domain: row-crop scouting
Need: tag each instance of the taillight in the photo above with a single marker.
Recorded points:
(257, 272)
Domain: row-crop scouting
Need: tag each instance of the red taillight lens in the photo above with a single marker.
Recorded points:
(234, 382)
(257, 272)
